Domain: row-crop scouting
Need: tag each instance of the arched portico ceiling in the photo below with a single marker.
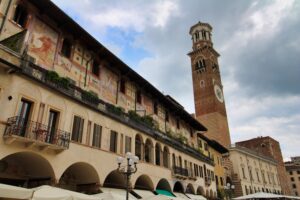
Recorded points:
(115, 180)
(190, 189)
(163, 184)
(178, 187)
(80, 173)
(144, 182)
(27, 164)
(200, 190)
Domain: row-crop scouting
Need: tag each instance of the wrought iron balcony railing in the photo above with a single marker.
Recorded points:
(180, 171)
(36, 132)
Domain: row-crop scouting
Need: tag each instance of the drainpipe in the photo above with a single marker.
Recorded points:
(5, 16)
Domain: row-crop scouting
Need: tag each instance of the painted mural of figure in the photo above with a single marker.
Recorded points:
(44, 48)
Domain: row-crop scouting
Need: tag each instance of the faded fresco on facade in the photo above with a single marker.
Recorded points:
(109, 85)
(42, 44)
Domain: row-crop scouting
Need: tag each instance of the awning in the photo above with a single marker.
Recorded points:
(260, 195)
(196, 197)
(48, 192)
(164, 192)
(181, 195)
(13, 192)
(145, 194)
(115, 193)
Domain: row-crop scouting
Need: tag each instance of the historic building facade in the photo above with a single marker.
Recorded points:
(69, 108)
(208, 89)
(253, 172)
(293, 173)
(271, 148)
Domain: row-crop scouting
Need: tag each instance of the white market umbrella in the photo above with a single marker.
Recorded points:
(52, 193)
(163, 197)
(260, 195)
(13, 192)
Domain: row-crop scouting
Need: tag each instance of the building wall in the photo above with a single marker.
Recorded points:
(245, 164)
(270, 147)
(293, 174)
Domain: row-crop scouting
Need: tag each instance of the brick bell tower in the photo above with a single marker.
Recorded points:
(208, 90)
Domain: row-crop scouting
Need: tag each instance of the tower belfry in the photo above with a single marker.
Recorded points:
(207, 85)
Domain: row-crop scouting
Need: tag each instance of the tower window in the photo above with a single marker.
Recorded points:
(201, 65)
(20, 16)
(197, 36)
(215, 67)
(96, 68)
(204, 35)
(66, 48)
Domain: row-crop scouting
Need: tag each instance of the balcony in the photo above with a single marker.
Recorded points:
(207, 181)
(35, 134)
(180, 172)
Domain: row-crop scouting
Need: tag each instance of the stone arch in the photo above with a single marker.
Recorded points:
(157, 154)
(148, 151)
(166, 157)
(37, 170)
(163, 184)
(200, 191)
(190, 189)
(139, 146)
(178, 187)
(80, 177)
(144, 182)
(115, 180)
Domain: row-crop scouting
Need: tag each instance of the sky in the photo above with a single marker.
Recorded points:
(259, 44)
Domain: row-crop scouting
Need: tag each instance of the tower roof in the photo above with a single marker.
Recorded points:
(201, 24)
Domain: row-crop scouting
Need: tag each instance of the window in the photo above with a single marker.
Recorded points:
(139, 97)
(292, 179)
(205, 147)
(257, 175)
(52, 126)
(20, 16)
(243, 170)
(127, 144)
(203, 35)
(294, 185)
(157, 154)
(24, 116)
(96, 68)
(97, 135)
(298, 172)
(291, 172)
(155, 108)
(199, 142)
(123, 86)
(77, 129)
(191, 132)
(196, 170)
(167, 116)
(201, 171)
(113, 141)
(250, 173)
(66, 48)
(201, 65)
(177, 124)
(212, 176)
(221, 181)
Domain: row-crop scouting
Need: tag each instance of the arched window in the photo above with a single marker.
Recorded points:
(148, 151)
(166, 157)
(180, 162)
(173, 160)
(138, 146)
(157, 154)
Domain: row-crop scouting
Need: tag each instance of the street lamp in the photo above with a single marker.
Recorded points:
(127, 166)
(228, 190)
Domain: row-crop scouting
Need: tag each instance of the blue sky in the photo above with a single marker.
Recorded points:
(258, 40)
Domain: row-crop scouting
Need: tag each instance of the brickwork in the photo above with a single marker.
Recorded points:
(207, 85)
(270, 147)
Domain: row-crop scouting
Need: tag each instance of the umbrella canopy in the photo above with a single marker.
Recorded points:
(52, 193)
(13, 192)
(260, 195)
